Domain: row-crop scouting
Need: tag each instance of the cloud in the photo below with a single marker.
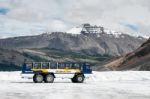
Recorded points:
(29, 17)
(133, 27)
(110, 13)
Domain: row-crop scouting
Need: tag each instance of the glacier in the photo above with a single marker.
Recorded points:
(101, 85)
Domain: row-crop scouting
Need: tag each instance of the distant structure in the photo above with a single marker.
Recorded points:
(87, 28)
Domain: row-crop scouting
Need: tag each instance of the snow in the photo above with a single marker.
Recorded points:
(76, 30)
(111, 33)
(114, 33)
(101, 85)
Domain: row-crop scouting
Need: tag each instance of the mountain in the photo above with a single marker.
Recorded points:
(86, 43)
(90, 40)
(11, 59)
(136, 60)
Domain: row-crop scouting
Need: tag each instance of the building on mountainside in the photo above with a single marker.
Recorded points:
(87, 28)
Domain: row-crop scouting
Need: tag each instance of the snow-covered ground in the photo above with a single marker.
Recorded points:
(101, 85)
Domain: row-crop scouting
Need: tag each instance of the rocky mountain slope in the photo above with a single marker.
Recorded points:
(91, 40)
(11, 59)
(136, 60)
(92, 44)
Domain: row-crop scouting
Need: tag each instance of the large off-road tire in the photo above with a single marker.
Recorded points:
(73, 80)
(49, 78)
(38, 78)
(79, 78)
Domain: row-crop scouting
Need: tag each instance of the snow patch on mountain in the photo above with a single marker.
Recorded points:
(76, 30)
(112, 32)
(87, 28)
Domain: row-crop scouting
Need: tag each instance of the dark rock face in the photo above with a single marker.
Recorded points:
(136, 60)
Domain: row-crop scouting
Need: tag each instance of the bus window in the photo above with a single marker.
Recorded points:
(53, 66)
(88, 67)
(76, 66)
(61, 66)
(68, 65)
(37, 65)
(29, 65)
(45, 65)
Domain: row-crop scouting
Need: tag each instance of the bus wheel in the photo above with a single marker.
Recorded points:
(73, 80)
(38, 78)
(80, 78)
(49, 78)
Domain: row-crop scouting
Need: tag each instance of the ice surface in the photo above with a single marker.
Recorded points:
(102, 85)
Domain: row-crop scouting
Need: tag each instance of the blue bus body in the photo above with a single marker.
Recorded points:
(58, 70)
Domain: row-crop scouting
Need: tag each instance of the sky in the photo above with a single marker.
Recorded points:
(32, 17)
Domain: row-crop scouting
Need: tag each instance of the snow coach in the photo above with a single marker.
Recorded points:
(48, 71)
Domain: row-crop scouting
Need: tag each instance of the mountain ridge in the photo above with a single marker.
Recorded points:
(92, 45)
(136, 60)
(92, 40)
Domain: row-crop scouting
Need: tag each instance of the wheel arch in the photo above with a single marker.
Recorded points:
(79, 74)
(51, 74)
(42, 73)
